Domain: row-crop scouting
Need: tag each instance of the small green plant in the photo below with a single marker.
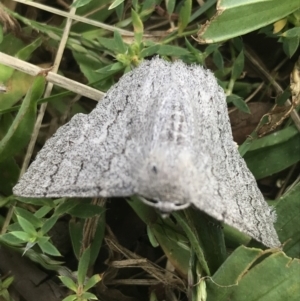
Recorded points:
(83, 284)
(4, 285)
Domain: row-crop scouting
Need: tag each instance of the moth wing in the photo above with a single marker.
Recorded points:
(246, 208)
(229, 191)
(237, 202)
(85, 158)
(96, 154)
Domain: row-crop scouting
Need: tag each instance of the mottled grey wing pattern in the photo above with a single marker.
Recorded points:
(163, 133)
(84, 158)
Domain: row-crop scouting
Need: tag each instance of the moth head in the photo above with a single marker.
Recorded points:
(166, 181)
(165, 208)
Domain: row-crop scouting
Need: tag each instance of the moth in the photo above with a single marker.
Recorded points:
(162, 133)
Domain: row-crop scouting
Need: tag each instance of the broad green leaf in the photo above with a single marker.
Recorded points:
(84, 210)
(43, 211)
(274, 152)
(20, 131)
(5, 201)
(71, 298)
(25, 52)
(296, 17)
(49, 223)
(88, 66)
(122, 47)
(7, 282)
(184, 15)
(78, 48)
(238, 3)
(48, 248)
(76, 230)
(115, 4)
(99, 236)
(235, 238)
(36, 201)
(109, 44)
(11, 44)
(290, 45)
(275, 277)
(84, 263)
(21, 235)
(170, 4)
(5, 294)
(26, 226)
(238, 263)
(136, 5)
(110, 69)
(238, 66)
(138, 26)
(211, 48)
(281, 136)
(92, 282)
(120, 11)
(288, 221)
(239, 45)
(292, 33)
(15, 226)
(218, 59)
(234, 18)
(12, 240)
(89, 296)
(36, 222)
(69, 283)
(80, 3)
(148, 7)
(149, 51)
(238, 102)
(18, 84)
(66, 206)
(43, 239)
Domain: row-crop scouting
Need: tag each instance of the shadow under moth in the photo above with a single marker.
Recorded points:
(162, 133)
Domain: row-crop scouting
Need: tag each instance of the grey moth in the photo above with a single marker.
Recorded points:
(162, 133)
